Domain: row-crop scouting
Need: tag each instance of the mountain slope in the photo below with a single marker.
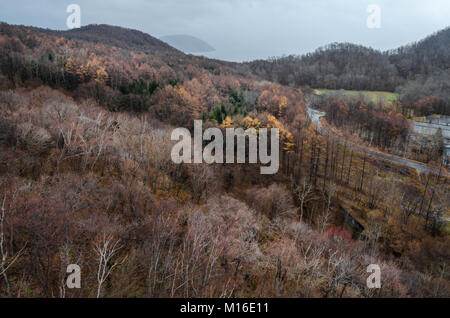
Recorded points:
(122, 69)
(424, 57)
(349, 66)
(117, 36)
(336, 66)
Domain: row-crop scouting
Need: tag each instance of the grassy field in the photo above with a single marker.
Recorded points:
(386, 98)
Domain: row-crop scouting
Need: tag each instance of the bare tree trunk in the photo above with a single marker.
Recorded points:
(304, 193)
(424, 194)
(363, 172)
(326, 167)
(4, 264)
(106, 249)
(316, 168)
(349, 167)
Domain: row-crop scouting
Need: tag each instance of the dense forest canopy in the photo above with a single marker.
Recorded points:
(424, 57)
(349, 66)
(416, 71)
(128, 71)
(336, 66)
(86, 175)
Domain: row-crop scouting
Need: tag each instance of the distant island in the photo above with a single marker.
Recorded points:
(187, 43)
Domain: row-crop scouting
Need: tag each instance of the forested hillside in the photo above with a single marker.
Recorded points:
(424, 57)
(415, 71)
(86, 177)
(349, 66)
(336, 66)
(128, 71)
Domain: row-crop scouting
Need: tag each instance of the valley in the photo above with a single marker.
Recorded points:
(87, 174)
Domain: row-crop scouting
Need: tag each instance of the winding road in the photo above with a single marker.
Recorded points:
(315, 116)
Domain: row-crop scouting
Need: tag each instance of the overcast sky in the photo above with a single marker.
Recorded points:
(242, 30)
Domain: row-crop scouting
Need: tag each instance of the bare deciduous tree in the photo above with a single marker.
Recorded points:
(106, 248)
(304, 194)
(328, 196)
(6, 260)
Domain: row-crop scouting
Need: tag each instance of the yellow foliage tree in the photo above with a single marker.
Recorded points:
(70, 66)
(287, 139)
(82, 73)
(251, 123)
(101, 76)
(282, 106)
(227, 122)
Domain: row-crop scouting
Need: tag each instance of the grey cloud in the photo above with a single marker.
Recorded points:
(249, 29)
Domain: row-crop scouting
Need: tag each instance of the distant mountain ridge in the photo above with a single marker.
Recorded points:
(350, 66)
(335, 66)
(116, 36)
(187, 43)
(417, 56)
(123, 38)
